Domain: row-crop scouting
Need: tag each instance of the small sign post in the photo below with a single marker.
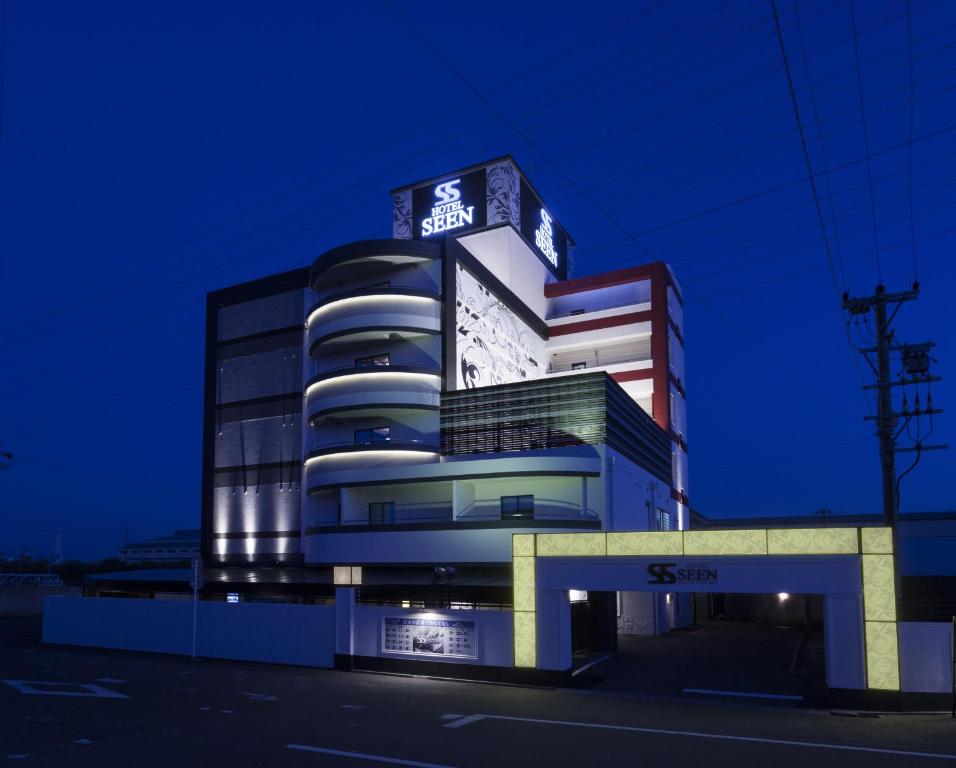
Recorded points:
(197, 585)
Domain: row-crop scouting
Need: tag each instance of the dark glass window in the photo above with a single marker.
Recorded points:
(372, 361)
(576, 312)
(381, 512)
(578, 366)
(372, 436)
(517, 507)
(664, 520)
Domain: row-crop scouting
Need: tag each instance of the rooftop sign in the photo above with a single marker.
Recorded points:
(491, 194)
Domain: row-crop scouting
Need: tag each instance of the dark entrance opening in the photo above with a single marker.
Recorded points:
(768, 648)
(593, 624)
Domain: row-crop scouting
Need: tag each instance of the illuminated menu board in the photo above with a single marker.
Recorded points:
(429, 637)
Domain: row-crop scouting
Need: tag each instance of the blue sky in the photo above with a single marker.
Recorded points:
(151, 153)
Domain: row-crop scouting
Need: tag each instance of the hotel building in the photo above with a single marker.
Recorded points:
(389, 416)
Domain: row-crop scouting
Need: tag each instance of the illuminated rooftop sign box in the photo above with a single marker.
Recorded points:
(491, 194)
(546, 237)
(451, 205)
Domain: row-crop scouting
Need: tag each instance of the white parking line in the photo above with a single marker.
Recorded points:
(363, 756)
(579, 670)
(47, 688)
(463, 720)
(700, 735)
(745, 694)
(259, 696)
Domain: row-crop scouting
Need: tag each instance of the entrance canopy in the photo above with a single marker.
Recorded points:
(848, 565)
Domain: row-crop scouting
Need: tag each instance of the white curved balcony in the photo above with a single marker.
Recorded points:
(369, 259)
(329, 459)
(374, 388)
(375, 313)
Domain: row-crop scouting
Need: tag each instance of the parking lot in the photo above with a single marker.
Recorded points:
(86, 707)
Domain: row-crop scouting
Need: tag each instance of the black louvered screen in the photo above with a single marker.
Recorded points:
(582, 409)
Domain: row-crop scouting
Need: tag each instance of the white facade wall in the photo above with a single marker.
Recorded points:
(554, 497)
(508, 257)
(278, 634)
(926, 664)
(414, 502)
(628, 297)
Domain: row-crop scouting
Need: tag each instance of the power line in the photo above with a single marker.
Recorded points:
(909, 152)
(306, 211)
(803, 144)
(779, 187)
(857, 211)
(517, 131)
(790, 275)
(866, 139)
(820, 139)
(3, 67)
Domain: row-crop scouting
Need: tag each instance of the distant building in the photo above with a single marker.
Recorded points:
(178, 546)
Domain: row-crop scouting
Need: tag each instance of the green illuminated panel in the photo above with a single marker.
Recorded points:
(526, 653)
(524, 583)
(877, 541)
(522, 545)
(882, 656)
(879, 588)
(746, 542)
(646, 543)
(812, 541)
(572, 545)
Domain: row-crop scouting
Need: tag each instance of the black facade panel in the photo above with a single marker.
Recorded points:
(582, 409)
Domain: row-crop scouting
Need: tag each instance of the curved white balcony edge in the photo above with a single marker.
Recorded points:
(368, 298)
(582, 463)
(380, 376)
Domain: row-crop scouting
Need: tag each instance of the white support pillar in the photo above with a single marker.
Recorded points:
(844, 651)
(344, 621)
(554, 630)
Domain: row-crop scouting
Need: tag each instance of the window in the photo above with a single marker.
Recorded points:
(517, 507)
(381, 512)
(372, 361)
(578, 366)
(372, 436)
(576, 312)
(664, 520)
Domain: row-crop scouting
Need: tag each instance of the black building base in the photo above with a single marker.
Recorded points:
(476, 672)
(888, 701)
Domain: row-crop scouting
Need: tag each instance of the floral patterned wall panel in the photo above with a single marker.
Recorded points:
(493, 345)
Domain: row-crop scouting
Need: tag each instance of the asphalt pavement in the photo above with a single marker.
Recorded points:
(80, 707)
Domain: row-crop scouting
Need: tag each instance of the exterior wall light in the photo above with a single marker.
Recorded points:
(347, 575)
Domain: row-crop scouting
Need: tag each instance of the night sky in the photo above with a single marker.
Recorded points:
(154, 152)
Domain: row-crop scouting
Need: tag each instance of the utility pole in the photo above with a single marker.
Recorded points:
(915, 359)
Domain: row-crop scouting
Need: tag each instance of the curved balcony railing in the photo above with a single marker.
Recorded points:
(374, 313)
(425, 372)
(388, 386)
(426, 402)
(369, 295)
(389, 253)
(440, 515)
(384, 447)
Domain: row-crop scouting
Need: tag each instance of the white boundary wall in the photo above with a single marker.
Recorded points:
(926, 656)
(279, 634)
